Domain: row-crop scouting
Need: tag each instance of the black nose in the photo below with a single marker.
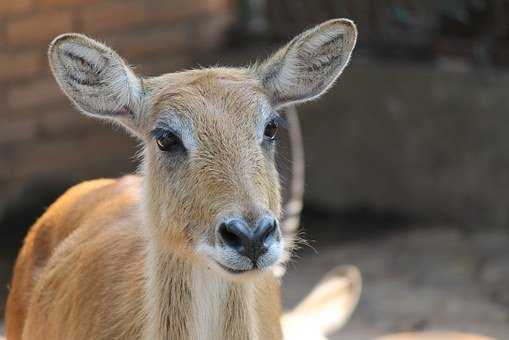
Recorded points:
(251, 243)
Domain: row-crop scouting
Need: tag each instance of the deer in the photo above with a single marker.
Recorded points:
(189, 248)
(192, 247)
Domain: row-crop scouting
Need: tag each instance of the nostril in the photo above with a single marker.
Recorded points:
(229, 237)
(269, 230)
(265, 235)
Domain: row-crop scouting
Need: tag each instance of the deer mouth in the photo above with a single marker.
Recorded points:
(234, 271)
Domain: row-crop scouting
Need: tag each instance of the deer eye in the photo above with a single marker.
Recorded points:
(166, 140)
(271, 130)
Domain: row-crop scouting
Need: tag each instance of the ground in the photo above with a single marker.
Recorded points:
(415, 278)
(423, 278)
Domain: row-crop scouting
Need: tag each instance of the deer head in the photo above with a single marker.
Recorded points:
(211, 188)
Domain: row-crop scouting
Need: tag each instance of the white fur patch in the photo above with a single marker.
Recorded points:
(310, 64)
(210, 294)
(94, 77)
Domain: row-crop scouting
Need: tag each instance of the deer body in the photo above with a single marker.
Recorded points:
(110, 269)
(188, 250)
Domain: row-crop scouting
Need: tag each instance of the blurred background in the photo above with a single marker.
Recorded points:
(407, 157)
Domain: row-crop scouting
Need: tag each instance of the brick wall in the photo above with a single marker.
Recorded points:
(41, 136)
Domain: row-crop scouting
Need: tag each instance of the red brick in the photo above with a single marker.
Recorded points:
(214, 6)
(15, 66)
(65, 121)
(57, 3)
(112, 17)
(67, 154)
(134, 46)
(15, 6)
(38, 29)
(210, 32)
(174, 11)
(18, 130)
(34, 95)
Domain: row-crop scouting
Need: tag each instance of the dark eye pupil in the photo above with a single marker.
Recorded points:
(271, 130)
(167, 141)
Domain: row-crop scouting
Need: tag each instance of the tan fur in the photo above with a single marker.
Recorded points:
(104, 265)
(135, 258)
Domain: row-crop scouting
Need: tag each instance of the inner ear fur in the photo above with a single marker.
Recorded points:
(94, 77)
(309, 64)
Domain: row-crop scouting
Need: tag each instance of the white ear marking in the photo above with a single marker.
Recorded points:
(95, 77)
(308, 66)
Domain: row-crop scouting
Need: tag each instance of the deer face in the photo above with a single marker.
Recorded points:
(210, 167)
(209, 136)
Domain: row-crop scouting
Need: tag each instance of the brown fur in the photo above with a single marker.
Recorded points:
(72, 271)
(134, 258)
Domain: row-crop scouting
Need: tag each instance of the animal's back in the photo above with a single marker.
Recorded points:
(85, 247)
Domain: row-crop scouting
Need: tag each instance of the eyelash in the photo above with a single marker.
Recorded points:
(271, 130)
(166, 140)
(159, 134)
(280, 122)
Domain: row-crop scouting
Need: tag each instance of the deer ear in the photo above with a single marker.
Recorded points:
(95, 78)
(307, 66)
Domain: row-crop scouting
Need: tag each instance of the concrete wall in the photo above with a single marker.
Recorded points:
(417, 139)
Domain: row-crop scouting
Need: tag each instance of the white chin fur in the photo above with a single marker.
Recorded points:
(232, 264)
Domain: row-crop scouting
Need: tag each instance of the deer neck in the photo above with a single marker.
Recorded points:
(187, 300)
